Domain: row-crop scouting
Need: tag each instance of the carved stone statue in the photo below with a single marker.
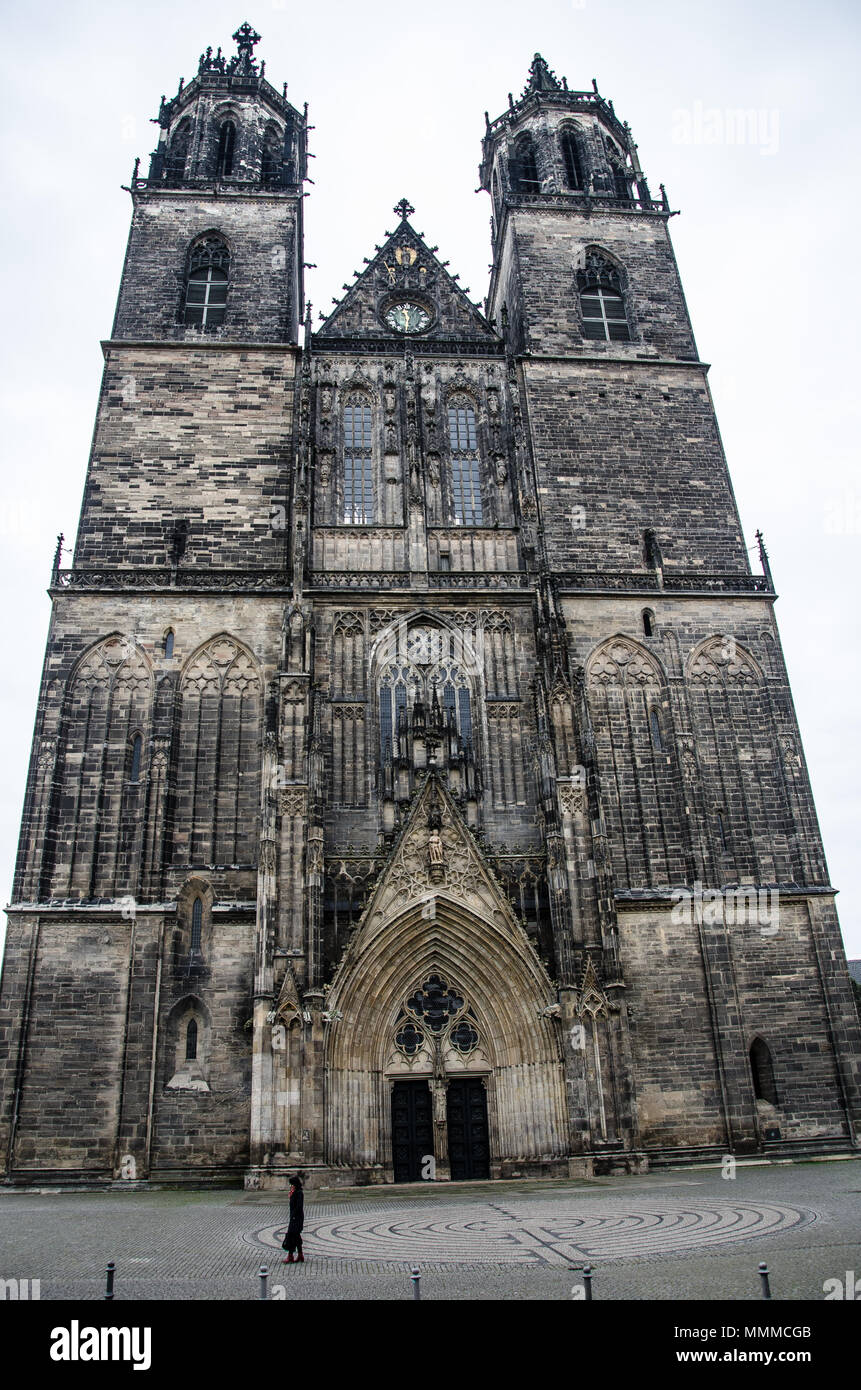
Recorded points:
(435, 848)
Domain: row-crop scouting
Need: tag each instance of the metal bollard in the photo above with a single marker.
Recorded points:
(263, 1275)
(109, 1277)
(763, 1275)
(417, 1284)
(587, 1282)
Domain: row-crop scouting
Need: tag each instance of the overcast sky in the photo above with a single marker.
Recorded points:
(766, 245)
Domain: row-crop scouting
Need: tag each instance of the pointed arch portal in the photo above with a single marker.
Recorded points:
(502, 995)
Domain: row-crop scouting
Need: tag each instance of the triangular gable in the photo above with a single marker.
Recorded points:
(406, 270)
(434, 858)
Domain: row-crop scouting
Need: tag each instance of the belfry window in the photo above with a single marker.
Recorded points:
(270, 167)
(226, 147)
(601, 303)
(571, 158)
(178, 153)
(206, 284)
(524, 168)
(358, 464)
(465, 465)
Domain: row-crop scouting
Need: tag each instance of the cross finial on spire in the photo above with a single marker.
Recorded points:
(245, 38)
(404, 209)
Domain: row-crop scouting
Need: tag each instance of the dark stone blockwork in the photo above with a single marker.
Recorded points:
(418, 662)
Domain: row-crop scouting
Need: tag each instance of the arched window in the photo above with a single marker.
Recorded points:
(178, 152)
(465, 464)
(358, 463)
(762, 1068)
(572, 160)
(524, 167)
(601, 303)
(196, 923)
(271, 163)
(191, 1041)
(206, 284)
(168, 642)
(137, 750)
(648, 622)
(226, 147)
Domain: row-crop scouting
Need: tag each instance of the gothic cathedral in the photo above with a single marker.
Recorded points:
(416, 791)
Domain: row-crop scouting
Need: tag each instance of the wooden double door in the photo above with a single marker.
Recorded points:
(413, 1136)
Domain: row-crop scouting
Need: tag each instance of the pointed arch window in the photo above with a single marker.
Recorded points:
(226, 149)
(602, 305)
(762, 1069)
(196, 923)
(168, 642)
(524, 167)
(572, 159)
(655, 727)
(191, 1041)
(206, 284)
(358, 463)
(465, 464)
(428, 675)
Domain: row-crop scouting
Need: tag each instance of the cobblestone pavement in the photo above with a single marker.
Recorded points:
(669, 1235)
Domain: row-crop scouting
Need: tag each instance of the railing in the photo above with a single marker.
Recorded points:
(279, 581)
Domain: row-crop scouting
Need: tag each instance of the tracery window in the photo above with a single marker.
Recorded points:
(206, 284)
(429, 669)
(602, 304)
(438, 1010)
(358, 463)
(465, 464)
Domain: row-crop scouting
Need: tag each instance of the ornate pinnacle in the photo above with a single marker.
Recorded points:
(245, 38)
(403, 209)
(541, 78)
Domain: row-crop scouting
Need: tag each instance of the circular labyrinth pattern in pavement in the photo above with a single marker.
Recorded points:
(494, 1234)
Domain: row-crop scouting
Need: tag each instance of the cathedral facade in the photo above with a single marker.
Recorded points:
(416, 791)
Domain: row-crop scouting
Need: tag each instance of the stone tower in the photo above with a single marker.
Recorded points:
(416, 789)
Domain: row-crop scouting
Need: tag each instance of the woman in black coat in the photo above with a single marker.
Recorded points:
(293, 1238)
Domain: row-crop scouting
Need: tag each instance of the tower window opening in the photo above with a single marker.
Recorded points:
(168, 643)
(271, 163)
(572, 160)
(358, 465)
(196, 923)
(206, 297)
(191, 1041)
(762, 1069)
(226, 147)
(648, 622)
(525, 168)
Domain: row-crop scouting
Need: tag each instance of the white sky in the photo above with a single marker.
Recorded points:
(397, 95)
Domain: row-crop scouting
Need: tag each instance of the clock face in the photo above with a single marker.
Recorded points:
(407, 317)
